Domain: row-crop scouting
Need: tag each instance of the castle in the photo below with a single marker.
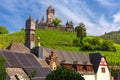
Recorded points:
(48, 24)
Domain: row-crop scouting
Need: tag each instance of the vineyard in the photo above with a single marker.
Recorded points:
(57, 40)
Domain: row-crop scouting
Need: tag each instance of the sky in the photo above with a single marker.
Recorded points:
(99, 16)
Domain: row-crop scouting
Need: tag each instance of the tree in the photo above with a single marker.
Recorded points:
(64, 73)
(22, 29)
(108, 45)
(3, 30)
(56, 22)
(2, 68)
(81, 31)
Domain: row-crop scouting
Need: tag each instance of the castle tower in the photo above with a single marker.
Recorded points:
(30, 33)
(50, 14)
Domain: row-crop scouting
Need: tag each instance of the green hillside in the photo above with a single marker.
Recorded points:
(114, 35)
(57, 40)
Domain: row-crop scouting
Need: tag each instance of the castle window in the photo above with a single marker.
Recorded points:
(32, 37)
(103, 70)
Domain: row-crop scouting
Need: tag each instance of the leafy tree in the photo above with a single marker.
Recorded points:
(33, 73)
(95, 43)
(22, 29)
(76, 42)
(108, 45)
(2, 69)
(81, 31)
(64, 73)
(3, 30)
(56, 22)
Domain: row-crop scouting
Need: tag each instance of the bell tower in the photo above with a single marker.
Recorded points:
(50, 14)
(30, 33)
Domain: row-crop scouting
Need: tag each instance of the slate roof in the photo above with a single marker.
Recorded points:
(28, 62)
(18, 47)
(68, 57)
(95, 60)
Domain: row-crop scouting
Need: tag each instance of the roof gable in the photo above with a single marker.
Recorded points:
(103, 62)
(95, 60)
(18, 47)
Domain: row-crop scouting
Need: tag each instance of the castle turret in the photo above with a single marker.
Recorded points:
(50, 14)
(69, 26)
(30, 33)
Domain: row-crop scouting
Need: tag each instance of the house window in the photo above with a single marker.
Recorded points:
(89, 68)
(68, 65)
(103, 70)
(80, 68)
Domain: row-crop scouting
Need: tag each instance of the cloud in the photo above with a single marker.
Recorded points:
(116, 17)
(108, 3)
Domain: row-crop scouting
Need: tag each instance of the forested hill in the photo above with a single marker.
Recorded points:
(114, 35)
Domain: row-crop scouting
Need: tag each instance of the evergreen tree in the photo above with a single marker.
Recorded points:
(81, 31)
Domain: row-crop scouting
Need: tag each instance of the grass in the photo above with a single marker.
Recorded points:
(57, 40)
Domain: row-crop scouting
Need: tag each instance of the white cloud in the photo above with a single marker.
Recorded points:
(106, 3)
(116, 17)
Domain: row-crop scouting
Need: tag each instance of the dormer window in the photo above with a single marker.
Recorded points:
(89, 68)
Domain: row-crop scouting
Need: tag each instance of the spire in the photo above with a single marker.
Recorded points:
(49, 8)
(67, 22)
(30, 18)
(37, 21)
(42, 20)
(38, 38)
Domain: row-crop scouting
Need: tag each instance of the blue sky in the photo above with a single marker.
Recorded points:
(99, 16)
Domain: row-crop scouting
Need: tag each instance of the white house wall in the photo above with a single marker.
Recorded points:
(103, 76)
(89, 77)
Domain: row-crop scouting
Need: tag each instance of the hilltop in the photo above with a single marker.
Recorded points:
(114, 35)
(57, 40)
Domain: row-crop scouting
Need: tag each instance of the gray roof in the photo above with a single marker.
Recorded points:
(18, 47)
(95, 60)
(69, 57)
(28, 62)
